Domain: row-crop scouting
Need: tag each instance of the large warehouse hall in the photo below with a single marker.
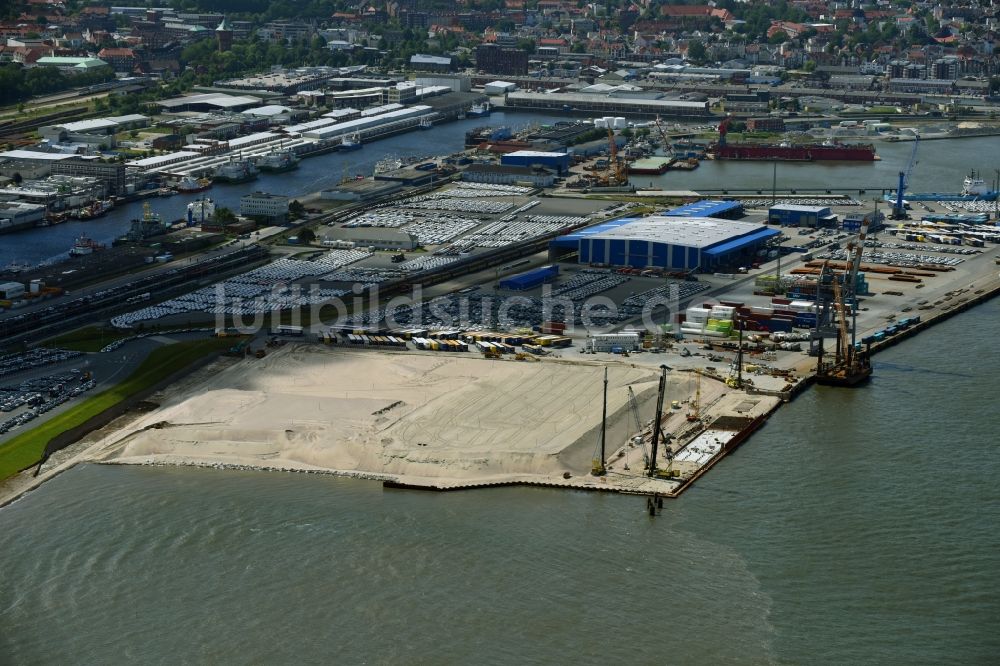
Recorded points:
(671, 243)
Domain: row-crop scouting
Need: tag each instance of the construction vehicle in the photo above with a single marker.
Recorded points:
(597, 465)
(735, 378)
(851, 365)
(523, 356)
(637, 437)
(657, 418)
(695, 414)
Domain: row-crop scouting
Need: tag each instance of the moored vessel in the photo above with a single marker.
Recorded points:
(974, 188)
(351, 142)
(236, 171)
(94, 210)
(788, 152)
(84, 246)
(189, 185)
(479, 110)
(277, 162)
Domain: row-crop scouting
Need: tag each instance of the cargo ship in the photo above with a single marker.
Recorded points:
(810, 152)
(349, 143)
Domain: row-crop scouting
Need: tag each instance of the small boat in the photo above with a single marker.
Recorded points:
(351, 142)
(425, 124)
(189, 185)
(277, 162)
(165, 192)
(84, 246)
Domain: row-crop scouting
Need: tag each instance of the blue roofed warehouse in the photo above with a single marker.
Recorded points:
(728, 210)
(559, 162)
(670, 243)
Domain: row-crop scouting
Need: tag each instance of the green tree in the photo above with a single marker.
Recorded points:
(223, 216)
(307, 236)
(696, 51)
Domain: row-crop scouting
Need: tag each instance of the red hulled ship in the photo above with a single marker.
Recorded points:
(857, 152)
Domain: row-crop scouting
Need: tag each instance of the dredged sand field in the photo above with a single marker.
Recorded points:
(405, 415)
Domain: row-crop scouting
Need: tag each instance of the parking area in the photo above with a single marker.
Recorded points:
(451, 224)
(22, 403)
(12, 364)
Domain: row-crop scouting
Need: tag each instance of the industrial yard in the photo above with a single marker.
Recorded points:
(453, 298)
(460, 390)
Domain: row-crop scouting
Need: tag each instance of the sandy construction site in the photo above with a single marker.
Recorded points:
(408, 416)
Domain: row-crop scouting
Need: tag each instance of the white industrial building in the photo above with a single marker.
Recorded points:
(378, 238)
(272, 207)
(11, 290)
(368, 123)
(17, 214)
(499, 87)
(29, 164)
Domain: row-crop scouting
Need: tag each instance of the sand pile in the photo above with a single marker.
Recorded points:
(401, 414)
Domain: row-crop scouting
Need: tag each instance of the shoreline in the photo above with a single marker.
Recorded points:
(97, 452)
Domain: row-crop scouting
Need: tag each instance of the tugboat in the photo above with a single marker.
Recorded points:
(238, 171)
(84, 246)
(277, 162)
(351, 142)
(189, 185)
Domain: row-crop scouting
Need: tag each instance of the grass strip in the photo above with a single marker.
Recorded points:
(88, 339)
(27, 448)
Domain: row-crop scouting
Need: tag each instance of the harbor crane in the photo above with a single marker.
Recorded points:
(899, 207)
(616, 166)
